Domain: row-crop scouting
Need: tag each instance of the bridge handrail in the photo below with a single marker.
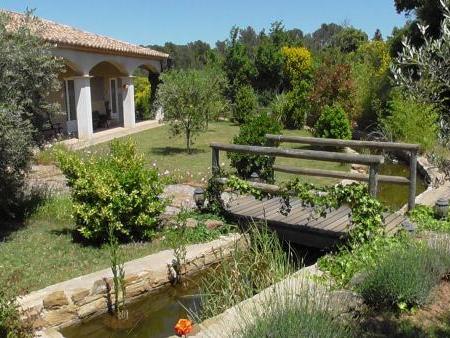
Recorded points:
(413, 149)
(329, 142)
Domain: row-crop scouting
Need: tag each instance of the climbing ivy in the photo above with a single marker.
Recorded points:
(366, 211)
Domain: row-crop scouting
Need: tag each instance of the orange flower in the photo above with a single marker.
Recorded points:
(183, 327)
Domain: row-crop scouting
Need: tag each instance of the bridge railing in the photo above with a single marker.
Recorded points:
(412, 149)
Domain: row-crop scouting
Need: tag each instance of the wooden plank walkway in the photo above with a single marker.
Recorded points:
(302, 225)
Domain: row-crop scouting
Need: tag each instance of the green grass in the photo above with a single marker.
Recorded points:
(42, 252)
(170, 156)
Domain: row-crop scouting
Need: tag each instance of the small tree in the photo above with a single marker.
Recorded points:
(189, 98)
(245, 104)
(333, 123)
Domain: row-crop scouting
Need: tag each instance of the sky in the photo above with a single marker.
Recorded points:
(181, 21)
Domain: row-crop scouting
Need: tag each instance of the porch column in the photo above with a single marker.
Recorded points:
(82, 86)
(129, 113)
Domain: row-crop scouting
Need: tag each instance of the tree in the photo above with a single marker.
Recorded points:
(426, 12)
(333, 84)
(349, 39)
(237, 64)
(269, 65)
(28, 72)
(189, 98)
(377, 36)
(142, 97)
(322, 37)
(424, 72)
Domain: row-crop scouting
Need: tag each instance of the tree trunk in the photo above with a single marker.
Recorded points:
(188, 140)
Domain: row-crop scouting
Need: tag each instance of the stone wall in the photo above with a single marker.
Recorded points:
(68, 303)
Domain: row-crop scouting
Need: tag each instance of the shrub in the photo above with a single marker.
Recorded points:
(333, 84)
(245, 104)
(424, 217)
(297, 62)
(292, 107)
(116, 190)
(142, 92)
(346, 263)
(253, 132)
(15, 155)
(405, 276)
(249, 270)
(411, 121)
(300, 311)
(333, 123)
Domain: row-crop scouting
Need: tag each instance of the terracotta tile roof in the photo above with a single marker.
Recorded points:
(66, 36)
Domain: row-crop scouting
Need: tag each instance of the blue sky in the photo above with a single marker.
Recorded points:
(181, 21)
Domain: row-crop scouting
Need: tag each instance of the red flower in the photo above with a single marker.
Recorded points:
(183, 327)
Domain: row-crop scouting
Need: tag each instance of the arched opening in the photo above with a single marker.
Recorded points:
(106, 96)
(146, 81)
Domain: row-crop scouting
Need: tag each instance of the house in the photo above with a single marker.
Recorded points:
(97, 89)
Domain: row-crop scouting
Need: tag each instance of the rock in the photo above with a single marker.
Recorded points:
(191, 223)
(96, 306)
(55, 300)
(79, 295)
(213, 223)
(64, 316)
(181, 195)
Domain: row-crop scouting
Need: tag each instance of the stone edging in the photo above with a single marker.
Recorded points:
(68, 303)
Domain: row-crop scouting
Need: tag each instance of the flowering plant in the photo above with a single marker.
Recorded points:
(183, 327)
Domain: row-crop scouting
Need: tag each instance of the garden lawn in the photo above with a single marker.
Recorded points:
(42, 252)
(169, 154)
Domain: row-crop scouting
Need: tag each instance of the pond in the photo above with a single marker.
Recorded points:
(153, 317)
(395, 196)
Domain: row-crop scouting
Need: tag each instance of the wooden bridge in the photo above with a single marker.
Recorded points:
(302, 225)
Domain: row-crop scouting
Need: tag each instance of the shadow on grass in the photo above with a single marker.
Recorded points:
(167, 151)
(389, 325)
(14, 218)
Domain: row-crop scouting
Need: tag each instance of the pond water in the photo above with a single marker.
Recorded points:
(395, 196)
(153, 317)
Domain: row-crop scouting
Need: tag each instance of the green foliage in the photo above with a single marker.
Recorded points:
(15, 154)
(237, 64)
(245, 104)
(349, 39)
(345, 263)
(142, 98)
(116, 191)
(269, 65)
(423, 72)
(199, 234)
(253, 132)
(411, 121)
(190, 98)
(118, 270)
(371, 73)
(404, 277)
(28, 72)
(425, 219)
(333, 123)
(249, 270)
(291, 108)
(11, 325)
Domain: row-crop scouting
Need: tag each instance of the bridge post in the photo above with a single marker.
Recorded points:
(215, 166)
(373, 179)
(412, 179)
